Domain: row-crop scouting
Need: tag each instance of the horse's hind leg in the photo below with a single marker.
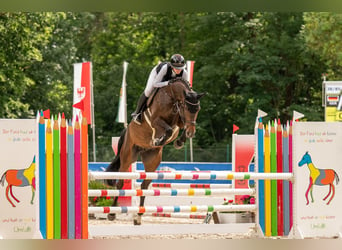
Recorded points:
(137, 217)
(119, 186)
(328, 193)
(333, 192)
(151, 160)
(9, 189)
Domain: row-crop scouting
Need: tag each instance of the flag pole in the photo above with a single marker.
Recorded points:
(190, 67)
(122, 109)
(125, 98)
(92, 111)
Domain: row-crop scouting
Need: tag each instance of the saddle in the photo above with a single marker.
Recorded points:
(150, 99)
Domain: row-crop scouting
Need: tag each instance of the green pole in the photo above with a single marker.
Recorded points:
(185, 152)
(227, 152)
(274, 192)
(56, 182)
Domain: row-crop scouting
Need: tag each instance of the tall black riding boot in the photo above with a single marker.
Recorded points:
(137, 114)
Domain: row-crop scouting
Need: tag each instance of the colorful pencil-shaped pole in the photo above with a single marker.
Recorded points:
(42, 176)
(71, 184)
(274, 195)
(49, 181)
(56, 181)
(280, 182)
(291, 170)
(84, 140)
(64, 180)
(78, 187)
(286, 205)
(261, 169)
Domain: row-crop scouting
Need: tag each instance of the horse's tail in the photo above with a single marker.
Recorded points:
(2, 180)
(114, 166)
(337, 178)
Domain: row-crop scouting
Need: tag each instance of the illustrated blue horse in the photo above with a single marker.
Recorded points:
(319, 177)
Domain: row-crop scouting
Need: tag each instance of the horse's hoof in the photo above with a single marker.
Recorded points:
(111, 217)
(178, 145)
(137, 219)
(158, 142)
(136, 223)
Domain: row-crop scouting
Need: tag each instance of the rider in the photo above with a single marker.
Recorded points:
(159, 77)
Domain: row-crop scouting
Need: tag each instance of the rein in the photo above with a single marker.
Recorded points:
(178, 105)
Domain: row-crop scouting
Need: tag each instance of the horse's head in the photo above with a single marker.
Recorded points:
(191, 109)
(305, 159)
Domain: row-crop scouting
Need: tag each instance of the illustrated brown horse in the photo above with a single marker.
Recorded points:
(172, 108)
(19, 178)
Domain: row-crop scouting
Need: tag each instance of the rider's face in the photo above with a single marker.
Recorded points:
(177, 71)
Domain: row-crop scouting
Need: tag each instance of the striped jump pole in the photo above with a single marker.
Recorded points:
(222, 175)
(173, 209)
(179, 215)
(190, 185)
(169, 192)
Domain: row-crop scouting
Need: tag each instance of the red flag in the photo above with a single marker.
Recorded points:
(190, 67)
(82, 89)
(79, 105)
(46, 114)
(235, 128)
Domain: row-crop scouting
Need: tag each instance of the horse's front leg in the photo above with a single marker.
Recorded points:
(307, 192)
(179, 143)
(33, 193)
(161, 132)
(144, 186)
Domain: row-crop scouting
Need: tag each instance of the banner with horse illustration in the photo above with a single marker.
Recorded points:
(18, 145)
(318, 169)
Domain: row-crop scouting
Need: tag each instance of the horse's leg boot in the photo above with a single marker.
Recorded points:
(137, 114)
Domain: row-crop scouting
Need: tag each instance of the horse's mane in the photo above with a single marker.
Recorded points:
(179, 79)
(156, 90)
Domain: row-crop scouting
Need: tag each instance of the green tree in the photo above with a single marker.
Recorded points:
(69, 43)
(22, 34)
(323, 32)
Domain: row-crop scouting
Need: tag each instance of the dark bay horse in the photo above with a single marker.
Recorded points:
(174, 107)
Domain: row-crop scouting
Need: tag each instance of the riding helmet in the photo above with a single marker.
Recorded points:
(177, 61)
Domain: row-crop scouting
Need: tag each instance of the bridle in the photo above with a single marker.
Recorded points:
(178, 106)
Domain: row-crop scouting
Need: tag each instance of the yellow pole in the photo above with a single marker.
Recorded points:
(267, 183)
(49, 182)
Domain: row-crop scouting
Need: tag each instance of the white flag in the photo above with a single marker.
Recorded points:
(261, 113)
(297, 115)
(122, 112)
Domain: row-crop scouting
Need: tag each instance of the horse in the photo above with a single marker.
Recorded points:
(170, 109)
(319, 177)
(20, 178)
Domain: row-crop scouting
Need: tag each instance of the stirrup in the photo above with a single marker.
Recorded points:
(137, 118)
